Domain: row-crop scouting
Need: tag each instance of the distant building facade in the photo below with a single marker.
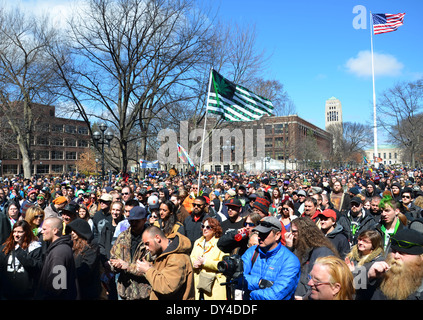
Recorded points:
(290, 143)
(333, 112)
(389, 154)
(55, 146)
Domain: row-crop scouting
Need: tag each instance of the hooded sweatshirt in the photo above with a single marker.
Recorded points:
(59, 263)
(172, 275)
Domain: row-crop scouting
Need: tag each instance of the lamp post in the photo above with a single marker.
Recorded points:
(102, 138)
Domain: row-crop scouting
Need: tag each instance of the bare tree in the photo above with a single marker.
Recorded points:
(128, 60)
(27, 76)
(349, 139)
(399, 113)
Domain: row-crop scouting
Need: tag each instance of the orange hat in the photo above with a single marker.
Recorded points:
(60, 200)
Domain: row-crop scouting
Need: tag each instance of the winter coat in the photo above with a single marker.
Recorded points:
(59, 262)
(307, 265)
(340, 241)
(172, 275)
(279, 266)
(364, 290)
(213, 256)
(87, 265)
(354, 228)
(131, 285)
(20, 270)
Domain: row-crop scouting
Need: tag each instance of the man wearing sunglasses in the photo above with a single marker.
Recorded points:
(192, 224)
(400, 276)
(409, 208)
(356, 220)
(271, 271)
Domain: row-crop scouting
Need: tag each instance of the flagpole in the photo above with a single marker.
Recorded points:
(204, 132)
(374, 93)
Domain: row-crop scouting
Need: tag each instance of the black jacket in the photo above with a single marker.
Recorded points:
(354, 227)
(20, 270)
(59, 263)
(338, 237)
(87, 265)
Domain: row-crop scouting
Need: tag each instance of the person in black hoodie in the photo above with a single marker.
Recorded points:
(20, 263)
(334, 232)
(58, 280)
(87, 259)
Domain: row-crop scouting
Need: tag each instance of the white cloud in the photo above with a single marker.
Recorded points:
(58, 10)
(384, 64)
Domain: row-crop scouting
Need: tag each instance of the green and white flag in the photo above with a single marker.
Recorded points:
(235, 103)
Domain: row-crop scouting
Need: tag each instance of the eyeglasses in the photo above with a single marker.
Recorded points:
(197, 204)
(404, 244)
(316, 282)
(207, 227)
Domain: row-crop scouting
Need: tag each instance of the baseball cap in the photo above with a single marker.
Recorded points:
(407, 241)
(357, 200)
(328, 213)
(153, 202)
(234, 202)
(137, 213)
(267, 224)
(106, 197)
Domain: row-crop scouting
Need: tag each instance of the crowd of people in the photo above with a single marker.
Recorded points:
(352, 234)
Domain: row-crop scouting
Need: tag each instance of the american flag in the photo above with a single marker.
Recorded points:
(386, 22)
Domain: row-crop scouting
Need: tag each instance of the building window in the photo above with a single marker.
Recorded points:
(70, 143)
(43, 168)
(58, 168)
(56, 155)
(58, 142)
(70, 129)
(83, 143)
(42, 141)
(70, 155)
(43, 155)
(10, 169)
(57, 127)
(82, 130)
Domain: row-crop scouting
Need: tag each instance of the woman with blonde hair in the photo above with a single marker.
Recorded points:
(331, 279)
(35, 217)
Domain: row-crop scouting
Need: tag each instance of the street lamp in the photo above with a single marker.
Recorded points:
(102, 138)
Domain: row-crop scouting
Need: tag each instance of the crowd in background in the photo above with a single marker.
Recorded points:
(333, 222)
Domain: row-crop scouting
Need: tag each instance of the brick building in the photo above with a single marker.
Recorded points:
(290, 142)
(55, 146)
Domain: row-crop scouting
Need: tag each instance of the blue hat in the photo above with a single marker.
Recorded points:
(137, 213)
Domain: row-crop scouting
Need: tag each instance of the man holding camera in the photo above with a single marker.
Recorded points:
(271, 271)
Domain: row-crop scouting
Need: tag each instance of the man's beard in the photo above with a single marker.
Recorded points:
(402, 279)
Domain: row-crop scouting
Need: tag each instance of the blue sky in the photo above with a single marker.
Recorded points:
(317, 53)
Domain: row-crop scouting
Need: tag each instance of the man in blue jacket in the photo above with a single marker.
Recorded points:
(271, 271)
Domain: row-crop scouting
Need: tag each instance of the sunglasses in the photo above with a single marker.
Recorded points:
(206, 227)
(406, 197)
(38, 217)
(249, 224)
(404, 244)
(197, 205)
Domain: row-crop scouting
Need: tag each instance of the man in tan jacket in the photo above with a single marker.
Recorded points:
(171, 275)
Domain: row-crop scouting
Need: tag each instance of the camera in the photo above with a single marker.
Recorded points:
(263, 284)
(231, 266)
